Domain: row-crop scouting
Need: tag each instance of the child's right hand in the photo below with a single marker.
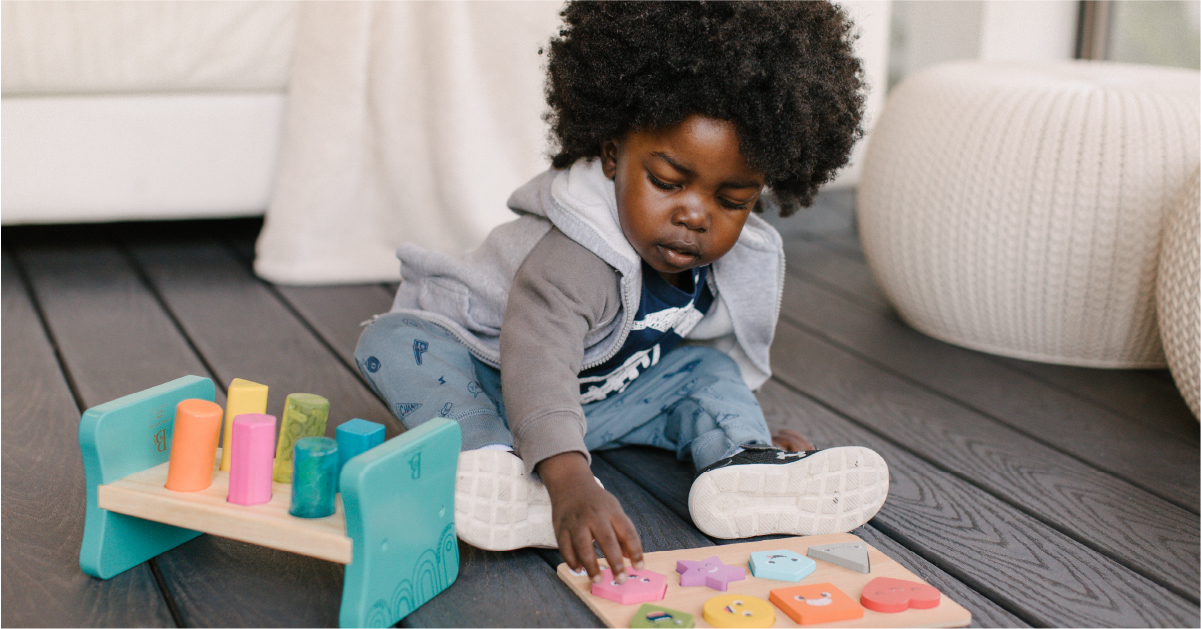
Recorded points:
(583, 512)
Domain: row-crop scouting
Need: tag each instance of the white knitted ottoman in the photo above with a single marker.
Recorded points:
(1016, 208)
(1178, 295)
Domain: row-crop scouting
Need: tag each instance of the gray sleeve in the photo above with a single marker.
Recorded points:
(561, 291)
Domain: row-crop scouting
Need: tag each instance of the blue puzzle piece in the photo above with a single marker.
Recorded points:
(781, 565)
(400, 506)
(119, 438)
(356, 437)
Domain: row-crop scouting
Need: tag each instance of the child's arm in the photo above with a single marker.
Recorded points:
(582, 512)
(562, 292)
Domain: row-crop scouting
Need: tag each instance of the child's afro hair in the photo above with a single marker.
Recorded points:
(782, 72)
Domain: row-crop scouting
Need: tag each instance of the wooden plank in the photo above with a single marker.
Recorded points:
(503, 589)
(948, 613)
(145, 495)
(219, 582)
(112, 333)
(243, 331)
(1031, 569)
(818, 262)
(1157, 538)
(658, 526)
(1138, 394)
(336, 312)
(832, 215)
(43, 492)
(1092, 433)
(657, 471)
(669, 480)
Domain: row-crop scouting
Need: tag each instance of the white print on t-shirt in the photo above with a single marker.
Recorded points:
(617, 380)
(682, 320)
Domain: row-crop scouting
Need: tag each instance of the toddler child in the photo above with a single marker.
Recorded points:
(634, 298)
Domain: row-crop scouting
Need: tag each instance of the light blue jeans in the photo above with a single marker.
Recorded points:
(693, 401)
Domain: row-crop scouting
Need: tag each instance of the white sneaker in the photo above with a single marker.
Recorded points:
(765, 491)
(498, 506)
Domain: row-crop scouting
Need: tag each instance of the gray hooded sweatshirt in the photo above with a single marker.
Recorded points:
(554, 292)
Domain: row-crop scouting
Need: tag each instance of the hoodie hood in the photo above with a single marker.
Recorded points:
(582, 202)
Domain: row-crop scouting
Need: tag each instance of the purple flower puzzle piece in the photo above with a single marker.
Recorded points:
(711, 572)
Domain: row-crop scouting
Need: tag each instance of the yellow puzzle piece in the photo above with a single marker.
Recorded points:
(738, 610)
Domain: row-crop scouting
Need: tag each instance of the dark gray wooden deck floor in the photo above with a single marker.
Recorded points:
(1032, 494)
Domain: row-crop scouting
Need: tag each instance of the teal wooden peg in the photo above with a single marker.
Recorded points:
(356, 437)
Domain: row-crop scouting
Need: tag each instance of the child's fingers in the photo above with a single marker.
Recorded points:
(581, 542)
(567, 549)
(606, 538)
(631, 544)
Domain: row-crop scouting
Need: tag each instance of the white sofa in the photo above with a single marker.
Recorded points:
(141, 110)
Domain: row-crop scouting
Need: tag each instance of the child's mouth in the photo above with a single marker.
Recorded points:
(678, 255)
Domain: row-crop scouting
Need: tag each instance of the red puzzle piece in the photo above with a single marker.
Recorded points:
(890, 596)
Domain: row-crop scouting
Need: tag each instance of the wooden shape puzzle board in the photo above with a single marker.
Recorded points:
(691, 599)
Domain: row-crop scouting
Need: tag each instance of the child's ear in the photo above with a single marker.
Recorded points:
(609, 158)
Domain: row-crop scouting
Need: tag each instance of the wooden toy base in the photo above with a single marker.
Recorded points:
(143, 495)
(691, 599)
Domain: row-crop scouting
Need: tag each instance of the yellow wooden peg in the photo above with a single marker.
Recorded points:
(243, 397)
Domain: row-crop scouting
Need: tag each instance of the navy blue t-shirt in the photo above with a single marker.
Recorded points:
(665, 315)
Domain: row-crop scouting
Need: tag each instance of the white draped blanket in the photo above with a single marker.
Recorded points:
(407, 121)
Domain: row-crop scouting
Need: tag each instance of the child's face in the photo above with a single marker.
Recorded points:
(683, 192)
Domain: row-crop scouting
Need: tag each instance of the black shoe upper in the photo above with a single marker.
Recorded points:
(759, 456)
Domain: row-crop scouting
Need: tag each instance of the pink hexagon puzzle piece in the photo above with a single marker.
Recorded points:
(711, 572)
(642, 586)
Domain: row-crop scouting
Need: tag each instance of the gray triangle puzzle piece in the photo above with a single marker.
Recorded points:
(849, 555)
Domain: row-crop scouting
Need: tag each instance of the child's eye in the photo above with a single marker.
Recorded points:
(736, 206)
(659, 183)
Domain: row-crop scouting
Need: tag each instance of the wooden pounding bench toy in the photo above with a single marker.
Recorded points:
(888, 595)
(393, 524)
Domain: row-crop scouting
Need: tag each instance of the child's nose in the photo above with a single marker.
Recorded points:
(692, 214)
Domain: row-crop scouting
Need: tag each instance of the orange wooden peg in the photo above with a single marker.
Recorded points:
(194, 445)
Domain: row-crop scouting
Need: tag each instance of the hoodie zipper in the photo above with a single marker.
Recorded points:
(626, 326)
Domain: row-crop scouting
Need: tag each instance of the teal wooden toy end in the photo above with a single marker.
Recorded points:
(399, 499)
(119, 438)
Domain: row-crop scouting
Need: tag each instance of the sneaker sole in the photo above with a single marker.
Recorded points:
(498, 506)
(831, 491)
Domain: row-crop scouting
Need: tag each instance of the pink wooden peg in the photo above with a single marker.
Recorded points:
(251, 460)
